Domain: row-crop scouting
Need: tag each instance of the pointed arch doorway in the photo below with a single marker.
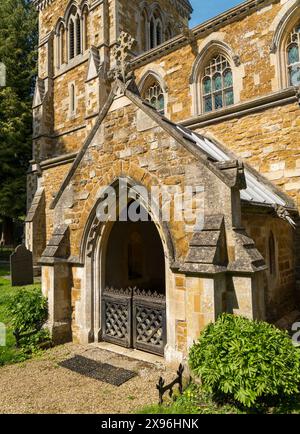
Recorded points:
(134, 299)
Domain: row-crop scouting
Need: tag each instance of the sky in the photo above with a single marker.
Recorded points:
(205, 9)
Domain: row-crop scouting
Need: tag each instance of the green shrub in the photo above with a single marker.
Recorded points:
(29, 311)
(36, 341)
(248, 362)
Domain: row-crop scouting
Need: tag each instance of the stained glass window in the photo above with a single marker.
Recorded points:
(155, 96)
(293, 56)
(217, 84)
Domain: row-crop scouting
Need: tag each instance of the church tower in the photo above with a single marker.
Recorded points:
(75, 41)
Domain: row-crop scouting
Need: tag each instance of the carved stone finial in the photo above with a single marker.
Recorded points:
(187, 33)
(122, 53)
(283, 214)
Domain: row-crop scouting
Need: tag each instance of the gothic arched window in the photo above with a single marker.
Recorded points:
(156, 30)
(152, 33)
(78, 35)
(85, 28)
(71, 39)
(61, 45)
(158, 33)
(272, 255)
(154, 95)
(293, 56)
(75, 34)
(144, 31)
(217, 84)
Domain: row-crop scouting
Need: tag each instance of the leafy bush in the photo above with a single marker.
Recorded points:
(36, 341)
(248, 362)
(29, 312)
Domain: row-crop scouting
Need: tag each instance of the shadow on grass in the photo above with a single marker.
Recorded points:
(195, 401)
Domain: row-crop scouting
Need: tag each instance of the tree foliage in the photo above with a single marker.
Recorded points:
(18, 43)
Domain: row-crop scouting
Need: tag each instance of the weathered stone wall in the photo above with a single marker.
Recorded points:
(51, 181)
(248, 38)
(128, 143)
(279, 287)
(129, 17)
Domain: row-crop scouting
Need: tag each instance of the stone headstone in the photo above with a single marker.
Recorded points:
(2, 75)
(21, 267)
(2, 335)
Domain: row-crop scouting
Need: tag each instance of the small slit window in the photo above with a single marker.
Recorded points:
(85, 29)
(72, 99)
(272, 255)
(61, 45)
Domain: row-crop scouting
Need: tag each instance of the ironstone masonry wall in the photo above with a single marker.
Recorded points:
(280, 287)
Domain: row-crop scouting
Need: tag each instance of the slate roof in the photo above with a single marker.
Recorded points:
(257, 190)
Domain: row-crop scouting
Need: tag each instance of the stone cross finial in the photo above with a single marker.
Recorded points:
(122, 53)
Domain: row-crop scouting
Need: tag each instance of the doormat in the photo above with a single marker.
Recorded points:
(98, 371)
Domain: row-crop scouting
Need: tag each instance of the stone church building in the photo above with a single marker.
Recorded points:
(129, 99)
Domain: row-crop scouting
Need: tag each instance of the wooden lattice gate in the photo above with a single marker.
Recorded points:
(134, 319)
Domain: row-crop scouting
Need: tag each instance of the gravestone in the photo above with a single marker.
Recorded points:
(21, 267)
(2, 335)
(2, 75)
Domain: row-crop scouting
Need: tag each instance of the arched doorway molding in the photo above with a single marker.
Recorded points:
(93, 255)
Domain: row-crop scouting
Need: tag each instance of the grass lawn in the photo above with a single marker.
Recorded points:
(194, 401)
(9, 354)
